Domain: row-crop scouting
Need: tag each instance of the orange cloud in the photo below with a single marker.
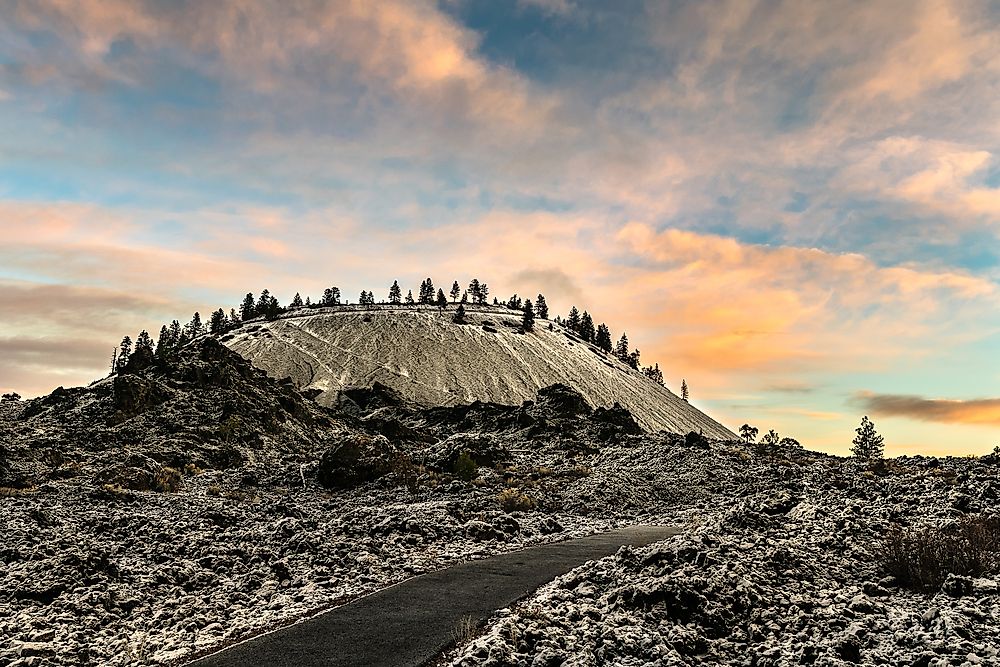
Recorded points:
(714, 304)
(976, 411)
(939, 50)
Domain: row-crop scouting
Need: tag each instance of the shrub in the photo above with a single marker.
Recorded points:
(922, 558)
(166, 480)
(464, 631)
(214, 490)
(465, 468)
(512, 500)
(12, 492)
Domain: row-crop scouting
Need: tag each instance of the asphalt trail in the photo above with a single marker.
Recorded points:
(410, 623)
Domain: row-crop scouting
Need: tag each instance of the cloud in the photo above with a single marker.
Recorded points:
(317, 52)
(716, 303)
(928, 175)
(983, 411)
(939, 50)
(550, 7)
(791, 388)
(57, 334)
(555, 283)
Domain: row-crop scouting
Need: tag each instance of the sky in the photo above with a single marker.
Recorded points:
(792, 205)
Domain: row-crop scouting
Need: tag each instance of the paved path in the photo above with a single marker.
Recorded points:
(409, 624)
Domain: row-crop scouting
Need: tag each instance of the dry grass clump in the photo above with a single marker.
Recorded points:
(922, 558)
(512, 500)
(213, 490)
(464, 631)
(166, 480)
(13, 492)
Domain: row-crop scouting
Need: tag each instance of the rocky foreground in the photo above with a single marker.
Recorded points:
(790, 570)
(192, 501)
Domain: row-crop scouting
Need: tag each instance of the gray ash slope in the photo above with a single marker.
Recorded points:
(432, 361)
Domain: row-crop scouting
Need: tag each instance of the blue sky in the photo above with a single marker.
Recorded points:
(793, 205)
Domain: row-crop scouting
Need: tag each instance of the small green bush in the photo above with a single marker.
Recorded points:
(465, 468)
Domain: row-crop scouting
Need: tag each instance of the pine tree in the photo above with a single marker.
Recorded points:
(124, 352)
(653, 373)
(395, 294)
(247, 309)
(684, 389)
(114, 361)
(602, 338)
(771, 441)
(587, 327)
(475, 291)
(331, 296)
(573, 320)
(409, 297)
(296, 301)
(234, 319)
(442, 301)
(528, 318)
(455, 291)
(621, 349)
(465, 297)
(514, 303)
(176, 332)
(194, 328)
(633, 359)
(868, 444)
(484, 292)
(459, 316)
(308, 302)
(217, 322)
(541, 308)
(748, 433)
(163, 344)
(263, 303)
(426, 291)
(143, 354)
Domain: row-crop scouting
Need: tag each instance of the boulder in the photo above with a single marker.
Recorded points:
(366, 399)
(355, 460)
(559, 400)
(616, 420)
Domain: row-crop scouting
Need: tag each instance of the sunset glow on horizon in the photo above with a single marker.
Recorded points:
(794, 206)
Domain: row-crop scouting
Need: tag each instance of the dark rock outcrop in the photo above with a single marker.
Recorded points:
(355, 460)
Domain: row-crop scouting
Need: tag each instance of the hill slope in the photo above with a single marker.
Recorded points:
(430, 360)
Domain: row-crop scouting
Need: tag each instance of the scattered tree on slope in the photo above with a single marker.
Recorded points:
(748, 433)
(541, 308)
(528, 318)
(868, 444)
